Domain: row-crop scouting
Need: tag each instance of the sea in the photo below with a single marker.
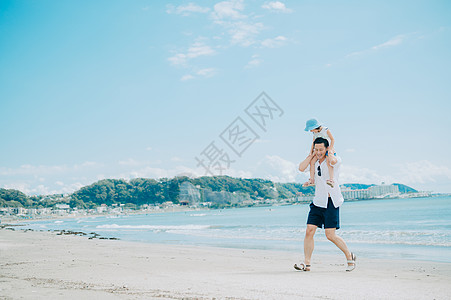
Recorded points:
(412, 228)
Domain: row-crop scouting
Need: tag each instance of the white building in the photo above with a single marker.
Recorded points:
(384, 190)
(189, 194)
(356, 194)
(376, 191)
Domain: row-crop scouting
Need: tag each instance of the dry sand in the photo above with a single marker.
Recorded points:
(42, 265)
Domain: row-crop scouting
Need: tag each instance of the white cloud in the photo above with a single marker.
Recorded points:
(45, 170)
(32, 179)
(277, 169)
(129, 162)
(241, 28)
(197, 172)
(229, 15)
(254, 62)
(353, 54)
(187, 77)
(410, 173)
(243, 33)
(87, 165)
(423, 172)
(41, 189)
(277, 6)
(397, 40)
(199, 49)
(208, 72)
(238, 173)
(196, 50)
(275, 42)
(147, 172)
(357, 174)
(32, 170)
(394, 41)
(20, 186)
(237, 26)
(152, 172)
(66, 188)
(228, 10)
(186, 10)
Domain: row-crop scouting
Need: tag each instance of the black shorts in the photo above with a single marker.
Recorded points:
(329, 217)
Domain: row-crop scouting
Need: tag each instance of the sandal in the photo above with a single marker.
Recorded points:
(302, 267)
(352, 262)
(330, 183)
(308, 183)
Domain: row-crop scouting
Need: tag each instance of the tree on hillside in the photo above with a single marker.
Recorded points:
(10, 197)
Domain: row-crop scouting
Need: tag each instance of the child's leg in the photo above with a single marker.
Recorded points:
(311, 180)
(330, 181)
(312, 169)
(331, 168)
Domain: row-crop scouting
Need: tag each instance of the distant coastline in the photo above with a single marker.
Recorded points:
(142, 196)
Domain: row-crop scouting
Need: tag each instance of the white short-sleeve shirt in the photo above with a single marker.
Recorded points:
(323, 190)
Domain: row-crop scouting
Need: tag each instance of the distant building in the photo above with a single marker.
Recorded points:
(224, 197)
(376, 191)
(19, 210)
(356, 194)
(62, 206)
(102, 208)
(167, 204)
(305, 198)
(383, 190)
(189, 194)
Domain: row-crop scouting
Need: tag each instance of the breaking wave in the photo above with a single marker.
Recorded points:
(154, 227)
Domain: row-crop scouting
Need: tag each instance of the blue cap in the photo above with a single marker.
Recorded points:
(311, 124)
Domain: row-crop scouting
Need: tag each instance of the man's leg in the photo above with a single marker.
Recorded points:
(309, 243)
(338, 241)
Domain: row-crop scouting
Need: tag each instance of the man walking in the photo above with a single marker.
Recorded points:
(324, 210)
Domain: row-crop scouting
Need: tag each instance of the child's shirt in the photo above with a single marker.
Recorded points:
(323, 134)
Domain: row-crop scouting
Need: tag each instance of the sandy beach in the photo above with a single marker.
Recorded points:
(44, 265)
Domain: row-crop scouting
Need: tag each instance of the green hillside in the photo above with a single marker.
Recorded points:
(141, 191)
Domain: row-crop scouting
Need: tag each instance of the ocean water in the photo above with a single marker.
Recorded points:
(415, 228)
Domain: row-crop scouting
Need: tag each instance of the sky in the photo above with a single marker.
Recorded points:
(127, 89)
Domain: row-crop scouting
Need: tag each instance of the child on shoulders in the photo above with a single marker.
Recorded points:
(319, 130)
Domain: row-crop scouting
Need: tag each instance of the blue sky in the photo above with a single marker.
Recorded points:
(125, 89)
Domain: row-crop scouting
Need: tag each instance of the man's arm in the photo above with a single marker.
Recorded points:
(304, 164)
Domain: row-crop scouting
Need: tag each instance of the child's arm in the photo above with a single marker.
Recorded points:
(332, 141)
